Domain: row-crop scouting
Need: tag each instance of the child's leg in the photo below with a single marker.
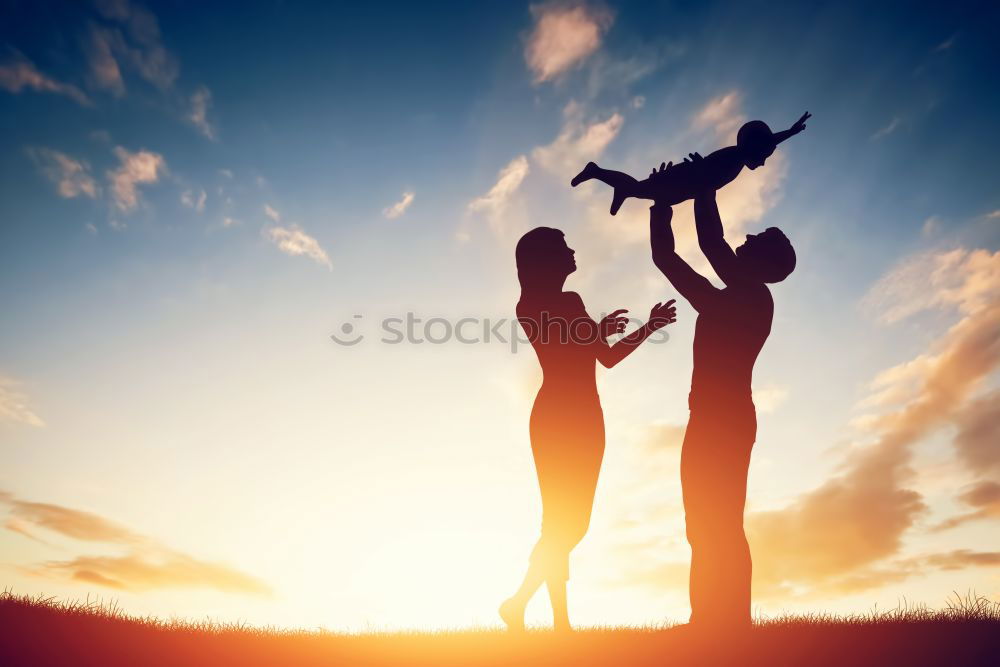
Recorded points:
(622, 183)
(616, 179)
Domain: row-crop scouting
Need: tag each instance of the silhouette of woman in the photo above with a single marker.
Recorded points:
(567, 422)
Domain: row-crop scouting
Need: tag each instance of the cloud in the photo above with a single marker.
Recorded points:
(14, 408)
(769, 398)
(162, 569)
(723, 115)
(139, 168)
(20, 73)
(993, 215)
(887, 129)
(963, 558)
(508, 181)
(984, 499)
(135, 41)
(945, 45)
(399, 207)
(978, 438)
(201, 102)
(71, 176)
(147, 564)
(578, 141)
(75, 524)
(272, 213)
(229, 222)
(660, 436)
(563, 36)
(104, 72)
(857, 518)
(293, 240)
(959, 277)
(189, 199)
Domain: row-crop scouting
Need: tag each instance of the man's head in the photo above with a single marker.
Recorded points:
(756, 142)
(769, 256)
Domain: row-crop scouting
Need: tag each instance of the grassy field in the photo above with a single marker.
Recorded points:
(42, 631)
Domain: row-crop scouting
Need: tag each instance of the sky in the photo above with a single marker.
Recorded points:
(198, 204)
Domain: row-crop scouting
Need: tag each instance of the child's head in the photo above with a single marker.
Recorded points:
(756, 141)
(769, 255)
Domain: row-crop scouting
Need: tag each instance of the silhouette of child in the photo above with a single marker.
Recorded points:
(754, 144)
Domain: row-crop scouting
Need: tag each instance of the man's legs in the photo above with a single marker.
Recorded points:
(714, 464)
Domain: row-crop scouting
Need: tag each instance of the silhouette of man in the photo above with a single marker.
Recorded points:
(731, 328)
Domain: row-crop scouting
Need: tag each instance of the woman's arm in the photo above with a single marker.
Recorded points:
(660, 315)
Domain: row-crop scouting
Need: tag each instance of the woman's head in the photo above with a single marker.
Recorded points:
(543, 259)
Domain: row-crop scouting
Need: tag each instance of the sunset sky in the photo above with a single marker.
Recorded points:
(195, 197)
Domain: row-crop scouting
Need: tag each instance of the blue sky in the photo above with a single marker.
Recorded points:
(195, 198)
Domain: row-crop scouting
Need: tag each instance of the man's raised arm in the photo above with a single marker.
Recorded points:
(711, 240)
(689, 283)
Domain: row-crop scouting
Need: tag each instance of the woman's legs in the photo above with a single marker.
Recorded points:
(560, 609)
(567, 501)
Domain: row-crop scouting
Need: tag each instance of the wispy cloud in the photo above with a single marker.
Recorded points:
(201, 102)
(578, 141)
(946, 44)
(769, 398)
(14, 407)
(19, 74)
(563, 36)
(159, 569)
(134, 41)
(272, 213)
(983, 498)
(887, 129)
(148, 564)
(195, 201)
(104, 72)
(508, 181)
(71, 176)
(722, 114)
(140, 168)
(293, 240)
(399, 207)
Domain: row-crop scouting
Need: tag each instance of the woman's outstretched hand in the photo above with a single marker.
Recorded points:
(614, 323)
(661, 315)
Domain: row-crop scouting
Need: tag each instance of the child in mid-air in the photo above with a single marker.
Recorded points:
(754, 144)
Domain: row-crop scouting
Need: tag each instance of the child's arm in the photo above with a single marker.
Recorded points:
(692, 285)
(799, 125)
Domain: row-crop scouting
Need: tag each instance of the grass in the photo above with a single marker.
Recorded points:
(44, 631)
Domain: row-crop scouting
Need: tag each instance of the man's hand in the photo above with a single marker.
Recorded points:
(661, 315)
(800, 124)
(613, 323)
(657, 175)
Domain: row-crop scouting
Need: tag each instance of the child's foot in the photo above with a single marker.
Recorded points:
(616, 202)
(512, 614)
(585, 175)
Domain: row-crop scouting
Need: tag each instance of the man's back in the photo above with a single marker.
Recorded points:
(728, 337)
